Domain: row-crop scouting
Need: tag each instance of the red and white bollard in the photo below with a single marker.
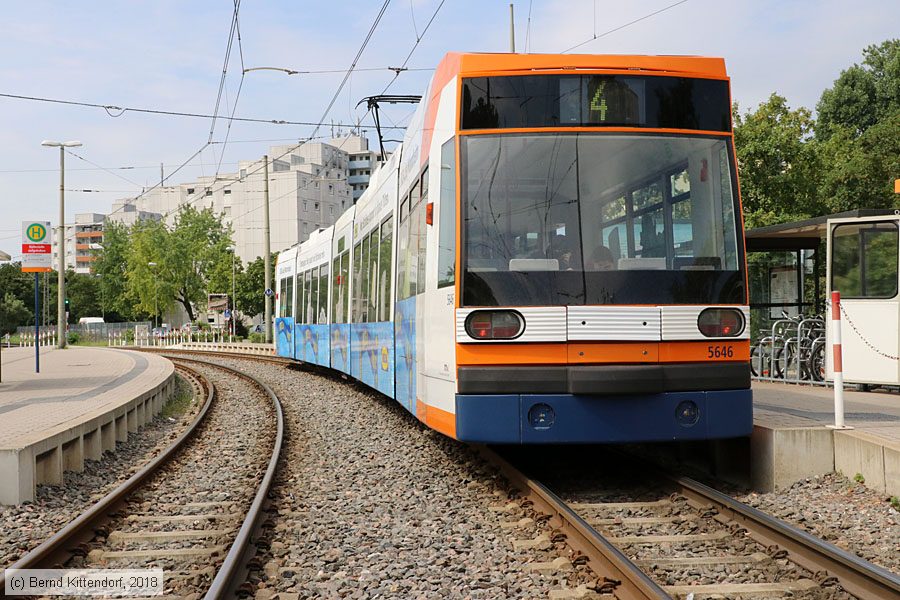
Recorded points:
(838, 362)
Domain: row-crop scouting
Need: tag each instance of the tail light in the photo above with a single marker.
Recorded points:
(721, 322)
(495, 324)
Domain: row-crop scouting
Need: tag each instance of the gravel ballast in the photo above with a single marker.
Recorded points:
(841, 511)
(371, 503)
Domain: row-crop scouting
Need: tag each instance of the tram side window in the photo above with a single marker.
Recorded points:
(345, 282)
(289, 301)
(384, 278)
(447, 226)
(413, 244)
(322, 316)
(372, 270)
(336, 289)
(403, 252)
(313, 307)
(295, 296)
(307, 297)
(299, 305)
(423, 230)
(284, 285)
(357, 283)
(864, 260)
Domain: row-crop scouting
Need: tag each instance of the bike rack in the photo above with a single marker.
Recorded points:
(785, 334)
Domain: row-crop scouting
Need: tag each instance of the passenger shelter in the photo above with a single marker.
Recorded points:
(788, 278)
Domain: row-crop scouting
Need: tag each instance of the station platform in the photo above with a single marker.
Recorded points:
(82, 402)
(791, 439)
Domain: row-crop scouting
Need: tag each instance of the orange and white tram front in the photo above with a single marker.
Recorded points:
(601, 292)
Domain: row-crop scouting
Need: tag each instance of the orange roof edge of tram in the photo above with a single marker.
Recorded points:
(469, 63)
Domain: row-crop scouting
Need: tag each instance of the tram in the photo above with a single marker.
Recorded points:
(554, 254)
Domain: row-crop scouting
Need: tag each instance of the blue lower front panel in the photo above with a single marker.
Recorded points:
(567, 418)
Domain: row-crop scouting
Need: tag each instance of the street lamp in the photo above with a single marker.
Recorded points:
(233, 295)
(155, 296)
(61, 240)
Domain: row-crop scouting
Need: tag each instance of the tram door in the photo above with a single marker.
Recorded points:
(863, 257)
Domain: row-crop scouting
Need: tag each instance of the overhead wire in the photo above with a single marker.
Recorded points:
(161, 112)
(620, 27)
(419, 39)
(349, 71)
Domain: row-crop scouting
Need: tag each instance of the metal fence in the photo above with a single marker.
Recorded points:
(91, 332)
(792, 349)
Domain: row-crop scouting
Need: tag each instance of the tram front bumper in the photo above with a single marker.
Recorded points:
(582, 418)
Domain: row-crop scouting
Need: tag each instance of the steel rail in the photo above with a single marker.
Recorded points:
(630, 583)
(856, 575)
(227, 579)
(81, 528)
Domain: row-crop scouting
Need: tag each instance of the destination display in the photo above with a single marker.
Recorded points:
(657, 102)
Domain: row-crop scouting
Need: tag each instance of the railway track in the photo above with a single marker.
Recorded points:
(673, 537)
(193, 509)
(688, 541)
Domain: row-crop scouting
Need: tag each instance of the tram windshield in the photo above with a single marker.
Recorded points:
(600, 218)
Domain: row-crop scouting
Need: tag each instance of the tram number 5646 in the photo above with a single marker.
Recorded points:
(720, 351)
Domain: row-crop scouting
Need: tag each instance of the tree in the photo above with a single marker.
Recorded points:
(111, 266)
(776, 162)
(14, 281)
(189, 259)
(148, 288)
(251, 286)
(862, 95)
(13, 313)
(859, 172)
(83, 292)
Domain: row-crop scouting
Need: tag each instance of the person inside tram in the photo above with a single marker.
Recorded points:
(601, 259)
(563, 251)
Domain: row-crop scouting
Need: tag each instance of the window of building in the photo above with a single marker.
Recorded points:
(208, 192)
(190, 190)
(331, 189)
(226, 192)
(316, 206)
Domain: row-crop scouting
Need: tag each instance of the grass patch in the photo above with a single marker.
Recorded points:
(858, 478)
(895, 503)
(181, 400)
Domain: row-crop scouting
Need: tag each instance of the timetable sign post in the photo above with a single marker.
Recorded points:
(36, 247)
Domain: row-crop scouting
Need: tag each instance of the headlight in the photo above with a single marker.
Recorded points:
(721, 322)
(495, 324)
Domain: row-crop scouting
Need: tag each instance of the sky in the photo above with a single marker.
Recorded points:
(169, 55)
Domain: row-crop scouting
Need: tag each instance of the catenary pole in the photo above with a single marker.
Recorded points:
(61, 266)
(512, 29)
(268, 251)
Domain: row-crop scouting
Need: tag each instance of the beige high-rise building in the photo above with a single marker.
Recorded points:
(309, 187)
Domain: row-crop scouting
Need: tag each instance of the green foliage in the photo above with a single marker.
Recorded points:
(776, 163)
(257, 338)
(83, 291)
(14, 281)
(858, 478)
(13, 313)
(864, 94)
(251, 286)
(73, 338)
(787, 173)
(895, 503)
(111, 267)
(190, 260)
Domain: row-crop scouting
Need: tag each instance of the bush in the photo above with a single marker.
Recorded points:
(257, 338)
(73, 338)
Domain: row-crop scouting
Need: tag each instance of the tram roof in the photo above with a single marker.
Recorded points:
(802, 234)
(480, 63)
